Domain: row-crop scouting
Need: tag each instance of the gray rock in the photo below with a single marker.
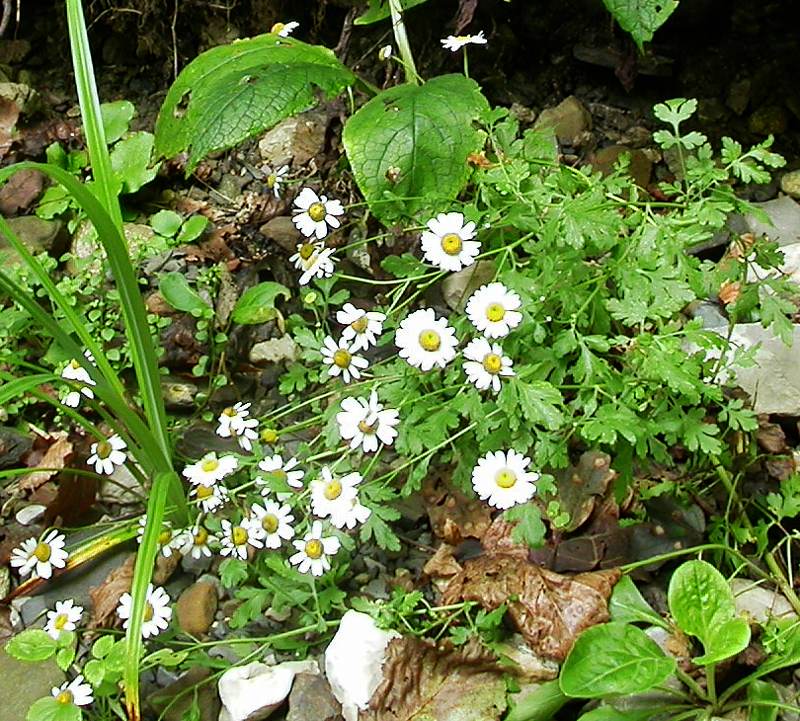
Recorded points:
(283, 231)
(758, 603)
(311, 700)
(175, 700)
(739, 96)
(179, 394)
(295, 139)
(569, 120)
(36, 234)
(88, 253)
(790, 183)
(13, 445)
(458, 287)
(788, 270)
(24, 683)
(121, 487)
(785, 216)
(23, 96)
(274, 350)
(769, 120)
(709, 312)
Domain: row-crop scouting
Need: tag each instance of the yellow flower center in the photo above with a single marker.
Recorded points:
(341, 358)
(204, 492)
(505, 478)
(430, 340)
(269, 435)
(271, 179)
(65, 697)
(277, 28)
(60, 621)
(209, 465)
(316, 212)
(230, 411)
(495, 312)
(280, 474)
(365, 427)
(333, 490)
(306, 250)
(200, 536)
(239, 536)
(148, 611)
(164, 537)
(42, 552)
(314, 548)
(270, 523)
(104, 449)
(74, 364)
(492, 363)
(451, 244)
(360, 325)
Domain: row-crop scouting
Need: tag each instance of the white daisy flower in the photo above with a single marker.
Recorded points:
(493, 310)
(74, 371)
(245, 434)
(157, 611)
(272, 523)
(284, 29)
(362, 326)
(273, 179)
(210, 469)
(448, 243)
(313, 551)
(285, 470)
(342, 359)
(334, 496)
(168, 539)
(502, 479)
(456, 42)
(233, 416)
(196, 541)
(485, 364)
(426, 341)
(75, 692)
(65, 618)
(315, 213)
(364, 422)
(107, 455)
(354, 515)
(236, 538)
(385, 53)
(210, 498)
(40, 556)
(315, 260)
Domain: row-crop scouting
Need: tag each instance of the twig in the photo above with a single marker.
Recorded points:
(6, 16)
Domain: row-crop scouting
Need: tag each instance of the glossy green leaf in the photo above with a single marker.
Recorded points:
(641, 18)
(175, 289)
(541, 704)
(48, 709)
(628, 605)
(613, 658)
(762, 692)
(232, 92)
(609, 713)
(257, 304)
(725, 640)
(379, 10)
(33, 644)
(408, 146)
(116, 117)
(130, 160)
(166, 222)
(192, 229)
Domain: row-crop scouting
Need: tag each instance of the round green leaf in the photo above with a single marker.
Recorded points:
(116, 118)
(726, 640)
(257, 304)
(379, 10)
(175, 289)
(613, 658)
(192, 228)
(31, 645)
(48, 709)
(408, 146)
(130, 160)
(166, 222)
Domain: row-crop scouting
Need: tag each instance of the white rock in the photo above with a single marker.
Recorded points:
(254, 691)
(785, 216)
(354, 661)
(29, 514)
(788, 270)
(274, 350)
(758, 603)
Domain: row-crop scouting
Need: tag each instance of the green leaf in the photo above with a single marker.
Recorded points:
(529, 527)
(404, 266)
(34, 644)
(176, 290)
(257, 304)
(232, 92)
(116, 118)
(539, 704)
(102, 646)
(764, 692)
(641, 18)
(609, 713)
(408, 146)
(130, 160)
(167, 657)
(613, 658)
(379, 10)
(193, 228)
(232, 572)
(627, 605)
(166, 222)
(65, 657)
(48, 709)
(701, 602)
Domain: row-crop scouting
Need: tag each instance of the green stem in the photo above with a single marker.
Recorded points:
(399, 28)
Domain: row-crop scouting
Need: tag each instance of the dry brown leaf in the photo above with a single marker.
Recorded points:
(729, 291)
(105, 597)
(770, 436)
(453, 516)
(442, 564)
(549, 610)
(423, 682)
(498, 539)
(581, 486)
(55, 458)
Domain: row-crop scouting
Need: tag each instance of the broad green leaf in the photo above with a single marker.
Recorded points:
(166, 657)
(641, 18)
(175, 289)
(613, 658)
(48, 709)
(379, 10)
(540, 704)
(232, 92)
(257, 304)
(193, 228)
(116, 118)
(404, 266)
(766, 693)
(701, 602)
(102, 646)
(130, 160)
(529, 528)
(609, 713)
(408, 146)
(628, 605)
(31, 645)
(166, 222)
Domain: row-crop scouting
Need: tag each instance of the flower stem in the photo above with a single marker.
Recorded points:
(399, 28)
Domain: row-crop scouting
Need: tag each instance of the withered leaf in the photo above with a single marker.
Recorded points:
(105, 597)
(579, 487)
(498, 539)
(548, 609)
(443, 563)
(453, 516)
(425, 682)
(55, 458)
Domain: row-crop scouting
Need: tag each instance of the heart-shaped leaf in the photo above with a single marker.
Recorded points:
(257, 304)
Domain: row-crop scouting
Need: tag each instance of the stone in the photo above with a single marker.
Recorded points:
(785, 216)
(196, 608)
(36, 234)
(708, 311)
(569, 120)
(29, 682)
(175, 700)
(458, 287)
(87, 250)
(311, 700)
(178, 394)
(790, 183)
(789, 269)
(639, 166)
(13, 445)
(121, 487)
(282, 231)
(20, 192)
(23, 96)
(739, 96)
(758, 603)
(274, 350)
(769, 120)
(295, 140)
(252, 692)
